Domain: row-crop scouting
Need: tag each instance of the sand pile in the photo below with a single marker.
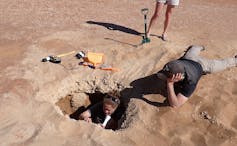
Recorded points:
(37, 98)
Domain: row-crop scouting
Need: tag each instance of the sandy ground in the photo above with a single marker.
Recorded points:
(34, 112)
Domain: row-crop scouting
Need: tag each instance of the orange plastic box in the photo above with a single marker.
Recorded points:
(95, 58)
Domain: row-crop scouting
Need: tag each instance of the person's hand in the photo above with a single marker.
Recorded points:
(88, 120)
(101, 125)
(175, 78)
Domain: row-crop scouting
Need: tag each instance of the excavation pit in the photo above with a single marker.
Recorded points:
(76, 103)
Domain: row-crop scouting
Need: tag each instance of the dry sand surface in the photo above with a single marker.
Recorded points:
(37, 98)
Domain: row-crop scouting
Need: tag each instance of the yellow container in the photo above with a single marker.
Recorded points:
(95, 58)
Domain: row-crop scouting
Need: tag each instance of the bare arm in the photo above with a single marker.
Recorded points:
(175, 100)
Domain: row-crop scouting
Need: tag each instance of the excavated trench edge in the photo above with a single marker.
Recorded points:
(74, 103)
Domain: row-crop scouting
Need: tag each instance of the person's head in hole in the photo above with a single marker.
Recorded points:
(110, 104)
(104, 112)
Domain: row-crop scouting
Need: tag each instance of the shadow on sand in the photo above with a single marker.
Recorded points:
(112, 26)
(148, 85)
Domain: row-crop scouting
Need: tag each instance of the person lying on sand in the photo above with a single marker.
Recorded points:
(103, 113)
(182, 75)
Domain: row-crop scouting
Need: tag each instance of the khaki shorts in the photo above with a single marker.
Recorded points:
(169, 2)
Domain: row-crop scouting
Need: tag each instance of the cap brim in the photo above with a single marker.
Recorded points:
(161, 75)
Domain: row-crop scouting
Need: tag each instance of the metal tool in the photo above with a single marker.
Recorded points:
(57, 58)
(145, 39)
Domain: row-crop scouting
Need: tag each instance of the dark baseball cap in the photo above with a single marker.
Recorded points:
(172, 67)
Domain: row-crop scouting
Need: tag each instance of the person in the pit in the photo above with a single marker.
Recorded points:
(104, 113)
(182, 75)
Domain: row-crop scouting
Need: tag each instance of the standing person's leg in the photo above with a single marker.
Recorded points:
(156, 14)
(168, 14)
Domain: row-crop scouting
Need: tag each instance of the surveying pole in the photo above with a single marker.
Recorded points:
(145, 39)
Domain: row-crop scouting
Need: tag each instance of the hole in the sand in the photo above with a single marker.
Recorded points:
(77, 103)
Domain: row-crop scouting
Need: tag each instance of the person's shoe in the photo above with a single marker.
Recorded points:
(164, 37)
(148, 35)
(203, 48)
(236, 60)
